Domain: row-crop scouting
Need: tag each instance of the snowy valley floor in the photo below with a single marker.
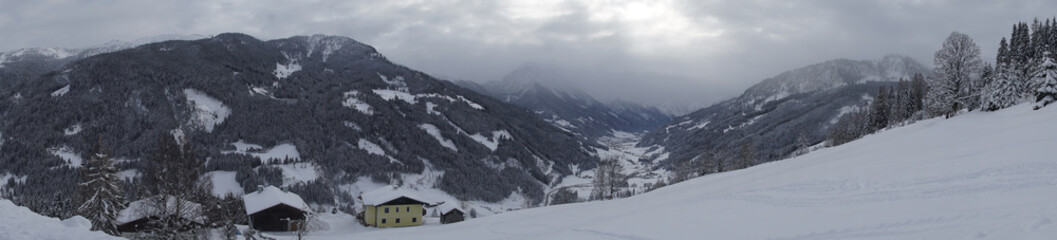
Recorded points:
(976, 176)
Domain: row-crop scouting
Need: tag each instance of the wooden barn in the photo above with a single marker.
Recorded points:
(140, 215)
(275, 210)
(450, 213)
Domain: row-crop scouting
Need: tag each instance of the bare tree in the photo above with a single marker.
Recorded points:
(958, 65)
(609, 179)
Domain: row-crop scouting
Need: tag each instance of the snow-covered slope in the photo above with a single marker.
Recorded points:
(976, 176)
(773, 113)
(18, 223)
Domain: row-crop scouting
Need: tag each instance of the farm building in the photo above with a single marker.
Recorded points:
(392, 207)
(275, 210)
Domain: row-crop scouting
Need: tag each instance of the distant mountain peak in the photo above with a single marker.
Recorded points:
(831, 74)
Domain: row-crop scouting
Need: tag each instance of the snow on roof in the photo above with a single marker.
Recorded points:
(149, 207)
(448, 207)
(270, 197)
(388, 193)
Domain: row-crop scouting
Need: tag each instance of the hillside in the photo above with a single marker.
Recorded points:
(976, 176)
(772, 114)
(551, 93)
(336, 106)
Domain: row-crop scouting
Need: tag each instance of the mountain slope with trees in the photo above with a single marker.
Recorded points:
(258, 108)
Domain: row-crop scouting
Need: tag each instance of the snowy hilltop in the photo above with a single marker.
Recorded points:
(18, 223)
(980, 175)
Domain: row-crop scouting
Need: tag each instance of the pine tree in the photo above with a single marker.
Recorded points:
(880, 110)
(101, 191)
(918, 90)
(1003, 91)
(746, 154)
(1047, 82)
(956, 63)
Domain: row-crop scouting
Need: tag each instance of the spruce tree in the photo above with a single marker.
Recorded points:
(1047, 82)
(101, 191)
(879, 110)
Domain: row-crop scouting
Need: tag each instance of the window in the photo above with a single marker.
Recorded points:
(383, 220)
(397, 220)
(386, 210)
(397, 209)
(414, 220)
(408, 209)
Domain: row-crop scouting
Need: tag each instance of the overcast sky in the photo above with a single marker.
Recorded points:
(726, 45)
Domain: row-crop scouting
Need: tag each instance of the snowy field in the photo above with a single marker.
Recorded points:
(976, 176)
(20, 223)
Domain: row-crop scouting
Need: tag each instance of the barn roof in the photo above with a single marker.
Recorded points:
(448, 207)
(147, 207)
(269, 197)
(388, 193)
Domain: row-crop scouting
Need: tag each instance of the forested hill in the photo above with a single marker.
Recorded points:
(331, 102)
(774, 118)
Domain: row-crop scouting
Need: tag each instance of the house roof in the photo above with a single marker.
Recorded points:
(448, 207)
(388, 193)
(272, 196)
(151, 206)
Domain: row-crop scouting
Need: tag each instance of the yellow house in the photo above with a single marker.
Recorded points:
(392, 207)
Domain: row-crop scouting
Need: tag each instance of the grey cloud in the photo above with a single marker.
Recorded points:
(483, 40)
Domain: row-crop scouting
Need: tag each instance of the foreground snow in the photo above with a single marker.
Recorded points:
(20, 223)
(977, 176)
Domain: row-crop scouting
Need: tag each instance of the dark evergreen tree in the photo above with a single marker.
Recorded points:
(1047, 82)
(101, 191)
(918, 89)
(880, 110)
(564, 195)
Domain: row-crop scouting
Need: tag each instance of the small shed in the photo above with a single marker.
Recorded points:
(450, 213)
(275, 210)
(139, 215)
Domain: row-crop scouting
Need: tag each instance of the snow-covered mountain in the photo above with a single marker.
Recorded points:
(981, 175)
(553, 96)
(28, 63)
(349, 117)
(832, 74)
(771, 115)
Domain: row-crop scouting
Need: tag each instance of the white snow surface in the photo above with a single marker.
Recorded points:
(493, 141)
(61, 91)
(389, 95)
(435, 132)
(66, 153)
(280, 151)
(352, 101)
(448, 207)
(19, 223)
(144, 208)
(76, 128)
(208, 111)
(389, 193)
(978, 175)
(224, 183)
(269, 197)
(370, 147)
(299, 172)
(284, 71)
